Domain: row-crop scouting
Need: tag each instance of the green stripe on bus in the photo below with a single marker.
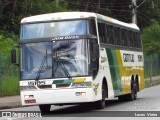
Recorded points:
(114, 70)
(116, 67)
(111, 66)
(62, 81)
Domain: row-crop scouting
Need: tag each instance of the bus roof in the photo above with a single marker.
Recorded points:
(75, 15)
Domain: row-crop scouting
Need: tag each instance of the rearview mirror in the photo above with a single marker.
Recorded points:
(14, 56)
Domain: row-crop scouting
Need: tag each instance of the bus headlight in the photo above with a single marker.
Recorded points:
(82, 84)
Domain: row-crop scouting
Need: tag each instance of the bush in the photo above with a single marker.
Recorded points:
(9, 78)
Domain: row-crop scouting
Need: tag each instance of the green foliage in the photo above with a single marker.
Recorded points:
(150, 9)
(9, 79)
(7, 41)
(151, 38)
(10, 85)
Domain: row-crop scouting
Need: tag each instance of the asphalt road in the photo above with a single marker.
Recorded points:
(148, 100)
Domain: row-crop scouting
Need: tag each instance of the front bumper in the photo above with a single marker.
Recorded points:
(58, 96)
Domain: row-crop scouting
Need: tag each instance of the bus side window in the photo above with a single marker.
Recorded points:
(123, 37)
(120, 37)
(139, 40)
(135, 40)
(92, 27)
(131, 39)
(111, 35)
(126, 39)
(101, 31)
(107, 34)
(117, 36)
(133, 36)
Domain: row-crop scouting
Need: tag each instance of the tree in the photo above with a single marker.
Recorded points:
(151, 41)
(12, 11)
(151, 38)
(150, 9)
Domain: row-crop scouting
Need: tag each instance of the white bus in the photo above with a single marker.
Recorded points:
(78, 57)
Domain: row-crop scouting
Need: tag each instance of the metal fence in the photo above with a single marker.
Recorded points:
(152, 65)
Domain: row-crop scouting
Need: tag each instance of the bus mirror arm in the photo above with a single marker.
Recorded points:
(14, 56)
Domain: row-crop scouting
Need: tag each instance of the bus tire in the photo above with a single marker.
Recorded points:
(101, 104)
(133, 95)
(122, 98)
(45, 108)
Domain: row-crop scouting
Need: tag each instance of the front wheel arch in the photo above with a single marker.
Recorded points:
(100, 104)
(106, 86)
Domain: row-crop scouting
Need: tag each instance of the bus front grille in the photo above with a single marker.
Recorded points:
(44, 86)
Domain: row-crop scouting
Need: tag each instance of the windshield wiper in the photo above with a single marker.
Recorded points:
(42, 65)
(63, 66)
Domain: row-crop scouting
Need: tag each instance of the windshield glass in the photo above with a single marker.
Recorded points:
(53, 29)
(32, 57)
(47, 58)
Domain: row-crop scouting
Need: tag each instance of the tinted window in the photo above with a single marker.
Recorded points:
(92, 27)
(111, 34)
(131, 39)
(101, 30)
(52, 29)
(107, 33)
(117, 36)
(123, 37)
(135, 40)
(138, 40)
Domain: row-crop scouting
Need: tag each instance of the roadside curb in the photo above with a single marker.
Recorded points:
(10, 102)
(155, 81)
(9, 107)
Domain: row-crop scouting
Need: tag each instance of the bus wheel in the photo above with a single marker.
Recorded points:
(122, 98)
(101, 103)
(135, 90)
(133, 95)
(44, 108)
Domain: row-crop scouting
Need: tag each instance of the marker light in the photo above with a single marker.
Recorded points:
(79, 80)
(80, 93)
(28, 96)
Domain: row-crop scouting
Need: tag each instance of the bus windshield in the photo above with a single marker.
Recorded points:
(46, 59)
(53, 29)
